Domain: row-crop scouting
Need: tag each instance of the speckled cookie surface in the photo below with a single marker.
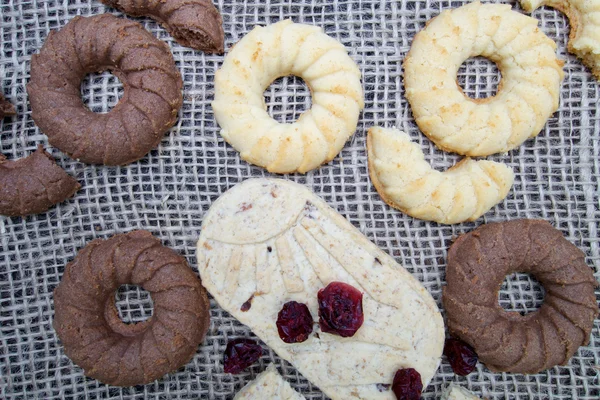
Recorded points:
(268, 385)
(274, 241)
(505, 341)
(193, 23)
(88, 324)
(33, 184)
(144, 65)
(528, 93)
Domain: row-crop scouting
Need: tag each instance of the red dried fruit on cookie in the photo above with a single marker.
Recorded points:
(294, 322)
(340, 309)
(240, 354)
(407, 384)
(461, 356)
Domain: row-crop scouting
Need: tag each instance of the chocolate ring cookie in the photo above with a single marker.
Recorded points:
(33, 184)
(88, 324)
(193, 23)
(507, 341)
(151, 99)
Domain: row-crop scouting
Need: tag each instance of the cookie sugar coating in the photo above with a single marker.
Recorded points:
(193, 23)
(88, 324)
(528, 93)
(33, 184)
(144, 65)
(584, 39)
(269, 241)
(506, 341)
(407, 182)
(281, 49)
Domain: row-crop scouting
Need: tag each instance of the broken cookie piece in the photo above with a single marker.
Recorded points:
(33, 184)
(268, 385)
(6, 108)
(193, 23)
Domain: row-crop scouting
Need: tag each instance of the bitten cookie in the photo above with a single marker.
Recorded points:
(144, 65)
(267, 53)
(505, 341)
(88, 324)
(269, 242)
(33, 184)
(407, 182)
(268, 385)
(193, 23)
(528, 93)
(584, 17)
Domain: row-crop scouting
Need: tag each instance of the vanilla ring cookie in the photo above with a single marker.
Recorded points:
(407, 182)
(281, 49)
(528, 93)
(584, 17)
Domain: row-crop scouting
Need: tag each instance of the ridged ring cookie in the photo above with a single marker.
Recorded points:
(277, 50)
(584, 17)
(528, 93)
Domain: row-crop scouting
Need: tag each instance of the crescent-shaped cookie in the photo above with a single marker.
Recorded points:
(268, 241)
(268, 385)
(193, 23)
(406, 181)
(273, 51)
(528, 94)
(584, 17)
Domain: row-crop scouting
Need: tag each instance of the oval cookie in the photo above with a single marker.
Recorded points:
(268, 241)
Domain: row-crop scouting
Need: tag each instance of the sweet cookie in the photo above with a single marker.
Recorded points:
(88, 324)
(507, 341)
(33, 184)
(407, 182)
(268, 385)
(144, 65)
(268, 242)
(6, 108)
(193, 23)
(584, 40)
(267, 53)
(528, 93)
(454, 392)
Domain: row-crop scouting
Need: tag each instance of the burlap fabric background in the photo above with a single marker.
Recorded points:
(169, 191)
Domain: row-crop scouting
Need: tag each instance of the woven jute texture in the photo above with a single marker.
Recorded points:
(169, 191)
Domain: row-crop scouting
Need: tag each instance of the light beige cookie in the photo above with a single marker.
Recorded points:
(584, 17)
(528, 93)
(455, 392)
(269, 241)
(268, 385)
(281, 49)
(407, 182)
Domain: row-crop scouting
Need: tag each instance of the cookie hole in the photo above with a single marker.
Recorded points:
(101, 92)
(133, 303)
(479, 78)
(521, 293)
(287, 98)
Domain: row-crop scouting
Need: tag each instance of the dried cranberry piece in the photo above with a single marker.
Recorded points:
(407, 384)
(461, 356)
(240, 354)
(294, 322)
(340, 309)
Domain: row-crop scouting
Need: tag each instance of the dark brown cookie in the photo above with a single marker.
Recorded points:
(151, 99)
(33, 184)
(505, 341)
(193, 23)
(88, 324)
(6, 108)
